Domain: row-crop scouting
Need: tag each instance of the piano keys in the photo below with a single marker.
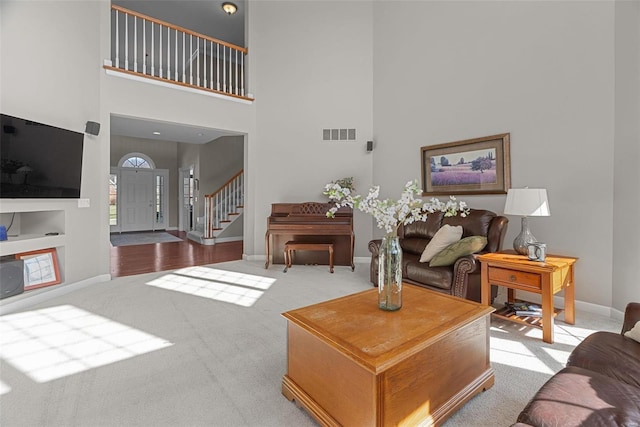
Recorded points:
(308, 222)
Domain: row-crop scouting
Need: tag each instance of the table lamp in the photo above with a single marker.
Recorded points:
(526, 202)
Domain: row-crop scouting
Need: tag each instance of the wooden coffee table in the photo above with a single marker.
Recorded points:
(352, 364)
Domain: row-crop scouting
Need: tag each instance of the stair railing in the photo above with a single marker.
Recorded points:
(148, 47)
(223, 202)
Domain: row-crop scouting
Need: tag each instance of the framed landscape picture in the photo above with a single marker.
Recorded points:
(472, 166)
(40, 268)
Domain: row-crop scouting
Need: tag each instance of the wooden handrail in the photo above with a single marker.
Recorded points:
(178, 28)
(225, 184)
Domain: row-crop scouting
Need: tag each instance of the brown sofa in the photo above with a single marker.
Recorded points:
(462, 279)
(600, 386)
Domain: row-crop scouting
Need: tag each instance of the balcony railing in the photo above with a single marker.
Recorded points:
(148, 47)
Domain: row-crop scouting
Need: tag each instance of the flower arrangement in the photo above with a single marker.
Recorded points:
(389, 214)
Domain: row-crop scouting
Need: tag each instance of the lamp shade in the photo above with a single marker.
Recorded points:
(527, 202)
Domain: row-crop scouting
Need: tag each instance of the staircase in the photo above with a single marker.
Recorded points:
(221, 209)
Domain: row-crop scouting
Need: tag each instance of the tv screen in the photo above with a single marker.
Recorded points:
(39, 161)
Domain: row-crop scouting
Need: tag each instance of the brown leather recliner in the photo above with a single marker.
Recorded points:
(600, 386)
(462, 279)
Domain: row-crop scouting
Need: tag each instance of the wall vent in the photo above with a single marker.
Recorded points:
(338, 134)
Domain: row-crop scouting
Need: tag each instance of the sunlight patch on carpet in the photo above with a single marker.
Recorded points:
(4, 388)
(220, 285)
(54, 342)
(516, 354)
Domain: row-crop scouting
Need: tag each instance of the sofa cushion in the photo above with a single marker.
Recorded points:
(444, 237)
(423, 229)
(437, 277)
(579, 397)
(609, 354)
(450, 254)
(413, 245)
(634, 333)
(476, 223)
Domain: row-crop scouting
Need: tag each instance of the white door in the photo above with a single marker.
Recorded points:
(137, 198)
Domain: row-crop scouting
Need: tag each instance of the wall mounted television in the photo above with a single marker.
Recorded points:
(39, 161)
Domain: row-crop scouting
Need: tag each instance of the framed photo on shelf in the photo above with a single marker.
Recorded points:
(40, 268)
(473, 166)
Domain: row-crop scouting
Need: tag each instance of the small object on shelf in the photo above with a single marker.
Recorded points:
(521, 306)
(529, 313)
(52, 233)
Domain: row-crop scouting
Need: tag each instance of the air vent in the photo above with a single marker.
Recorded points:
(338, 134)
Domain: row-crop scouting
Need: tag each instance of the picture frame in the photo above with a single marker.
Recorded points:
(40, 268)
(472, 166)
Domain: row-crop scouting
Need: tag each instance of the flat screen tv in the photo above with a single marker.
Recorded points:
(39, 161)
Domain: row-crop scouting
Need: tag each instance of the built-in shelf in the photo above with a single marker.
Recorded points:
(30, 242)
(28, 231)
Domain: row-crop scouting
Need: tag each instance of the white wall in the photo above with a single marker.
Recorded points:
(543, 71)
(626, 232)
(60, 87)
(311, 68)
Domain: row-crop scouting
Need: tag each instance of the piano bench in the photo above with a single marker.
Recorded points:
(291, 246)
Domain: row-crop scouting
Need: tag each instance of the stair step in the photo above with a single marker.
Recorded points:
(225, 220)
(233, 213)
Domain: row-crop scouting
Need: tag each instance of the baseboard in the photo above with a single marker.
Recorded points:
(356, 260)
(37, 296)
(228, 239)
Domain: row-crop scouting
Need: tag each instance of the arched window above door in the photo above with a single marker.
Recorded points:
(136, 160)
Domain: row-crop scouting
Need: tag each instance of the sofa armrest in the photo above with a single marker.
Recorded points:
(374, 247)
(631, 316)
(461, 269)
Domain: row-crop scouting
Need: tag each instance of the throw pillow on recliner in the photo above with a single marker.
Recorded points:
(634, 333)
(467, 246)
(445, 236)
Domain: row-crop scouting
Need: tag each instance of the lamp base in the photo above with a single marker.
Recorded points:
(524, 238)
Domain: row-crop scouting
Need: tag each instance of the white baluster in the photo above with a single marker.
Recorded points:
(242, 74)
(236, 76)
(126, 41)
(144, 46)
(168, 53)
(135, 43)
(204, 63)
(153, 53)
(175, 63)
(224, 68)
(117, 41)
(211, 64)
(190, 59)
(184, 76)
(160, 51)
(218, 66)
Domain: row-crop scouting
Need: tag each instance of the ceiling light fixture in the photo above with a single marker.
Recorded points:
(229, 8)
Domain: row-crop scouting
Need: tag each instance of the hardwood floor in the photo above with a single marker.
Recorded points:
(138, 259)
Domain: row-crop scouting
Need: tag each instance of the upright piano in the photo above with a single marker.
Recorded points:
(308, 222)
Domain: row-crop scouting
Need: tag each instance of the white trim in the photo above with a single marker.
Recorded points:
(175, 86)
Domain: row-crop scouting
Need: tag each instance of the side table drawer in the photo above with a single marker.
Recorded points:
(524, 279)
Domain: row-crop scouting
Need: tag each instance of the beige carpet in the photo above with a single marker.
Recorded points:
(206, 346)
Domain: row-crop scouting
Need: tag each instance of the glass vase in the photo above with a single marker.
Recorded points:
(390, 274)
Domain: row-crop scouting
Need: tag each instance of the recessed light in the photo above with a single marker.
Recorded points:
(200, 134)
(156, 133)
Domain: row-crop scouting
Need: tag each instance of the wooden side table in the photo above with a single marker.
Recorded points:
(547, 278)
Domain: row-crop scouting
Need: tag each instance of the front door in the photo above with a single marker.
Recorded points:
(136, 193)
